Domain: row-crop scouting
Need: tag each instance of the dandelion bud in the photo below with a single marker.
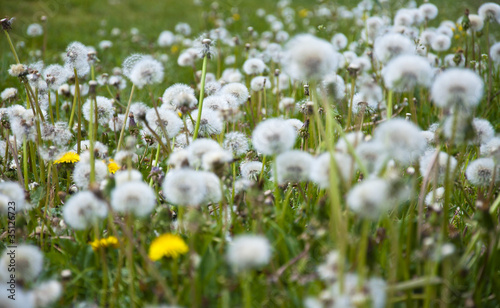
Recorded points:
(92, 88)
(306, 90)
(7, 23)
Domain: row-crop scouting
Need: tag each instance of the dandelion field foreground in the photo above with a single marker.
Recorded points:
(278, 154)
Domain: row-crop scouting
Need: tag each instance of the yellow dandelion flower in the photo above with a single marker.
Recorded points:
(167, 245)
(174, 49)
(68, 158)
(113, 167)
(104, 243)
(236, 16)
(303, 13)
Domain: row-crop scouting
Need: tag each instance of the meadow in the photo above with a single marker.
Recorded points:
(286, 153)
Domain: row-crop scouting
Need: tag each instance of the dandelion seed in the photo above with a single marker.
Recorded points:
(167, 245)
(248, 251)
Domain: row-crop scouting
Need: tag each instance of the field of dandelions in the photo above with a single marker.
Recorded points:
(285, 154)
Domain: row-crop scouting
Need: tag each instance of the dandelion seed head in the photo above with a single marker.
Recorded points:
(476, 22)
(251, 170)
(248, 251)
(125, 176)
(435, 198)
(391, 45)
(84, 209)
(28, 263)
(146, 71)
(293, 166)
(210, 123)
(167, 118)
(166, 39)
(12, 192)
(438, 171)
(46, 293)
(17, 70)
(457, 87)
(184, 187)
(403, 140)
(490, 10)
(428, 10)
(104, 110)
(133, 197)
(236, 89)
(479, 172)
(76, 59)
(174, 91)
(8, 94)
(81, 173)
(231, 75)
(254, 66)
(260, 83)
(307, 57)
(333, 85)
(369, 198)
(273, 136)
(236, 143)
(405, 72)
(441, 42)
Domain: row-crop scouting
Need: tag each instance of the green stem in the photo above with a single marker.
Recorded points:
(125, 118)
(12, 47)
(202, 93)
(389, 105)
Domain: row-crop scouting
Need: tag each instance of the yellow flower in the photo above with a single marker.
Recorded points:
(303, 13)
(236, 16)
(174, 49)
(113, 167)
(105, 242)
(68, 157)
(167, 245)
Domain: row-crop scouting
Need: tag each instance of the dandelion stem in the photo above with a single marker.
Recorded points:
(202, 93)
(12, 46)
(389, 105)
(125, 118)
